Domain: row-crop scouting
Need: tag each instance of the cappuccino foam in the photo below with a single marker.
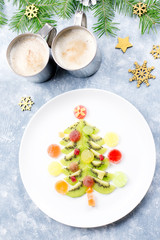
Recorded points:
(74, 49)
(29, 55)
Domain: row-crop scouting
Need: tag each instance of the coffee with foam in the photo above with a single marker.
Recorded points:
(29, 55)
(74, 48)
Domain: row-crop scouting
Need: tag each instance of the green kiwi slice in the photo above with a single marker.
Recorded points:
(66, 171)
(101, 165)
(71, 128)
(79, 175)
(69, 147)
(95, 130)
(99, 173)
(97, 139)
(105, 176)
(77, 190)
(65, 141)
(96, 154)
(67, 162)
(96, 147)
(102, 186)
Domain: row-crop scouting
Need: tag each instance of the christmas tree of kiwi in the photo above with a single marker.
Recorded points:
(84, 162)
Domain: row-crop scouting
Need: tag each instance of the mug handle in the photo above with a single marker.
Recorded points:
(47, 29)
(80, 19)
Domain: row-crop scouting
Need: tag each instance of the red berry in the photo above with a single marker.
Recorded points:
(80, 112)
(73, 179)
(101, 157)
(115, 156)
(76, 151)
(88, 181)
(74, 136)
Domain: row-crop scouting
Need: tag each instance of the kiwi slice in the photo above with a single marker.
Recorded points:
(71, 128)
(65, 141)
(67, 162)
(99, 173)
(96, 154)
(77, 175)
(77, 190)
(96, 139)
(66, 171)
(97, 147)
(69, 147)
(101, 165)
(102, 186)
(95, 130)
(105, 176)
(108, 177)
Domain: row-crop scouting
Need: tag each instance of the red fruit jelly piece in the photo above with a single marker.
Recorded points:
(101, 157)
(88, 181)
(80, 112)
(76, 151)
(73, 179)
(115, 156)
(74, 136)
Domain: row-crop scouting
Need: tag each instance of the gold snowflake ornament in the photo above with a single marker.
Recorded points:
(140, 9)
(31, 11)
(26, 103)
(156, 51)
(141, 74)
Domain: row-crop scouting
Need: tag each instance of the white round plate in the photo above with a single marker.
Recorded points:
(108, 112)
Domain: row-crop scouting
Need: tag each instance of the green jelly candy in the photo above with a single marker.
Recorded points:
(120, 179)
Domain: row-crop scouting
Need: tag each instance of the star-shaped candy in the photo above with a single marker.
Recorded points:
(123, 43)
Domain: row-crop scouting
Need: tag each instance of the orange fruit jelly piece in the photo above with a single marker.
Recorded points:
(89, 190)
(61, 187)
(54, 150)
(91, 202)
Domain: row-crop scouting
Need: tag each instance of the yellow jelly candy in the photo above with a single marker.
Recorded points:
(55, 168)
(111, 139)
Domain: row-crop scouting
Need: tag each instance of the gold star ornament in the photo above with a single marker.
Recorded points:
(123, 44)
(26, 103)
(141, 74)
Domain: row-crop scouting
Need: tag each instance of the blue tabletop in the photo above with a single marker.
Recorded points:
(19, 217)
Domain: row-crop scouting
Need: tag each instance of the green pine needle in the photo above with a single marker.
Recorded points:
(3, 19)
(104, 11)
(20, 23)
(149, 20)
(67, 8)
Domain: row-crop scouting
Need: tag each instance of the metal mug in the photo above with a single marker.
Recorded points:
(92, 67)
(50, 68)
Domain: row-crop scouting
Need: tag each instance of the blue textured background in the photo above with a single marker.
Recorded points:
(19, 217)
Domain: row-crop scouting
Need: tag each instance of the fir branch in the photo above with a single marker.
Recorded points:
(20, 23)
(104, 11)
(67, 8)
(125, 6)
(149, 20)
(3, 19)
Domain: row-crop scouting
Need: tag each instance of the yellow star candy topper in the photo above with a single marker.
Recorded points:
(123, 43)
